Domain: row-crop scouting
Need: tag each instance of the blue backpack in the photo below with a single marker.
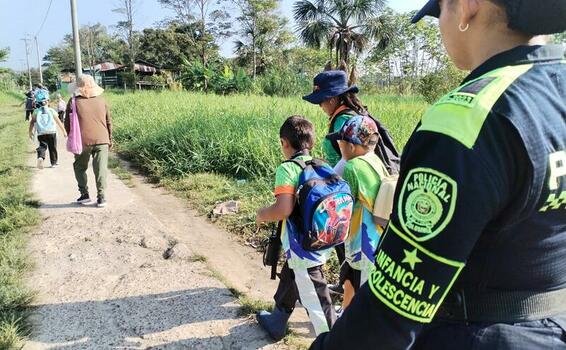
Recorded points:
(324, 206)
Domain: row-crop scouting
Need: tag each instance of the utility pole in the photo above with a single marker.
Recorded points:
(77, 45)
(27, 61)
(38, 61)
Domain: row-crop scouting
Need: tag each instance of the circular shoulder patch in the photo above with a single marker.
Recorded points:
(426, 203)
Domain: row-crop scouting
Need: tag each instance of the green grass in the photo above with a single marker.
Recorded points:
(17, 214)
(116, 166)
(210, 149)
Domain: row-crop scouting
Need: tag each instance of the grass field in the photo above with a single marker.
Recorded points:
(17, 214)
(212, 148)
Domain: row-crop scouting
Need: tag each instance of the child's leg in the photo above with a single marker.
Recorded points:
(351, 283)
(43, 145)
(315, 297)
(287, 294)
(348, 294)
(52, 144)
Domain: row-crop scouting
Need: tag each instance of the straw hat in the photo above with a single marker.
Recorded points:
(85, 87)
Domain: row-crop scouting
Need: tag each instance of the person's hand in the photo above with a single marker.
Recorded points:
(110, 145)
(65, 135)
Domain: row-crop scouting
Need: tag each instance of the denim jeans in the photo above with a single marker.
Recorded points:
(549, 333)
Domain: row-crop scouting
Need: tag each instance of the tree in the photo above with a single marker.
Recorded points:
(4, 54)
(413, 51)
(126, 27)
(261, 29)
(211, 25)
(97, 46)
(172, 46)
(346, 26)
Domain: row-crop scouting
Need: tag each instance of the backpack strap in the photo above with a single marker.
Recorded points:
(298, 162)
(331, 128)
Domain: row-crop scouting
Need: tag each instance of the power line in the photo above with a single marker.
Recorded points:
(44, 18)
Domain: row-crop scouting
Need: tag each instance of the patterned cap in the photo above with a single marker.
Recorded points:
(357, 130)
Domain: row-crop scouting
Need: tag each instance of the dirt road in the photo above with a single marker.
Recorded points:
(102, 281)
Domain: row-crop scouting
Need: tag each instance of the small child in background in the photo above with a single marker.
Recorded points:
(29, 104)
(45, 121)
(61, 107)
(301, 277)
(357, 140)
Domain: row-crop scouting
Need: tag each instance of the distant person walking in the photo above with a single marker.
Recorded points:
(29, 104)
(61, 107)
(96, 132)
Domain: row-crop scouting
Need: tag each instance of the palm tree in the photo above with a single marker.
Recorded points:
(343, 25)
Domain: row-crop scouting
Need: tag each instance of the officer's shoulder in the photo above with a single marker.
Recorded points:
(462, 113)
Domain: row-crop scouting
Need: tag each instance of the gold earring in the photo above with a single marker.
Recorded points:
(464, 29)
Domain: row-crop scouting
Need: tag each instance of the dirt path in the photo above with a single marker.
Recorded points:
(102, 281)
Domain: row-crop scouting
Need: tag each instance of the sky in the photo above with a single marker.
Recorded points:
(21, 18)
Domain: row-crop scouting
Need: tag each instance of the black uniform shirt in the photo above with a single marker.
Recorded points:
(480, 203)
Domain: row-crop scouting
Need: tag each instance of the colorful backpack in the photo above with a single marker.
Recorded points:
(324, 206)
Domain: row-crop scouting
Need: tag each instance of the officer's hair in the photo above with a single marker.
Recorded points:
(299, 132)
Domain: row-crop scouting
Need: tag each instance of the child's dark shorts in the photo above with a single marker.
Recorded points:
(347, 273)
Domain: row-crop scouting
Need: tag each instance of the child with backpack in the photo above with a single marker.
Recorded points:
(45, 121)
(364, 172)
(29, 104)
(314, 206)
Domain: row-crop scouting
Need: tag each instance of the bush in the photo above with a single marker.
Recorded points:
(283, 82)
(435, 85)
(218, 78)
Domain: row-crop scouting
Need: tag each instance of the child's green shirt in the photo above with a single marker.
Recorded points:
(364, 235)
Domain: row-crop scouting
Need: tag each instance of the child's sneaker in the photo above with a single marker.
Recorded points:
(100, 202)
(40, 163)
(83, 199)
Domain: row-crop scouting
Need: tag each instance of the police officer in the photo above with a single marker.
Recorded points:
(474, 256)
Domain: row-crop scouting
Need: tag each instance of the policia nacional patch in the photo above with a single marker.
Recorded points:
(426, 203)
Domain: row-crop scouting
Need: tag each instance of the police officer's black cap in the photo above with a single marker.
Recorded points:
(535, 17)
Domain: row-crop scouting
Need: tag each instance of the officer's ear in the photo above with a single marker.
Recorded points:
(468, 11)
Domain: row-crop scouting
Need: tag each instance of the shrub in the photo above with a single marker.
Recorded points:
(435, 85)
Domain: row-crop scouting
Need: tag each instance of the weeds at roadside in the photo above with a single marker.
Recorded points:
(120, 171)
(18, 214)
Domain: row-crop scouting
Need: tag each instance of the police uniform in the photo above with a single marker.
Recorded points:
(474, 256)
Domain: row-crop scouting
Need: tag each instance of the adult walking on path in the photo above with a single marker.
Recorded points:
(474, 254)
(95, 124)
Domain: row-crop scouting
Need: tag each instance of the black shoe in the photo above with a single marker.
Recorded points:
(101, 202)
(83, 199)
(336, 289)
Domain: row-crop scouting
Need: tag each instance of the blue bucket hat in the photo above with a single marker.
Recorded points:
(329, 84)
(535, 17)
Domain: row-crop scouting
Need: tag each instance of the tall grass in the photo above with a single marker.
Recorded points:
(200, 145)
(175, 133)
(17, 213)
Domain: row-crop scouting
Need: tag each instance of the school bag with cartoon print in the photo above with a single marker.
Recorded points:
(324, 206)
(44, 122)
